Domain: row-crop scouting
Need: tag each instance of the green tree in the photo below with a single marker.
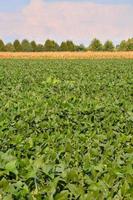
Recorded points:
(67, 46)
(63, 46)
(51, 45)
(96, 45)
(108, 46)
(130, 44)
(71, 46)
(10, 47)
(80, 47)
(34, 46)
(26, 46)
(117, 47)
(122, 46)
(40, 48)
(2, 46)
(17, 46)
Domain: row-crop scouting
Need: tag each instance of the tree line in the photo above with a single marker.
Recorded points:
(51, 45)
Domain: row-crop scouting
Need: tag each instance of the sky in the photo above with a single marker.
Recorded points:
(77, 20)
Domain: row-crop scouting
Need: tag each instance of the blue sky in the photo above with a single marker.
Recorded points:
(11, 5)
(78, 20)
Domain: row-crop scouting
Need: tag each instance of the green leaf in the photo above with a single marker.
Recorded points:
(11, 167)
(76, 190)
(62, 195)
(72, 175)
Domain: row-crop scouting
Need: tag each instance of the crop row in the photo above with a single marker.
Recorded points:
(66, 129)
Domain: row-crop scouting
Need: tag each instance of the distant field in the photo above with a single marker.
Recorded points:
(69, 55)
(66, 129)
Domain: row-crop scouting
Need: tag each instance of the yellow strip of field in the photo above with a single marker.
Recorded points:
(67, 55)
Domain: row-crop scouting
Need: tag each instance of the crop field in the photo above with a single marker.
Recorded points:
(66, 129)
(68, 55)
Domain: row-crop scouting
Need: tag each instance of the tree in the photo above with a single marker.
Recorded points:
(80, 47)
(63, 46)
(26, 46)
(2, 46)
(130, 44)
(51, 45)
(70, 45)
(108, 46)
(34, 46)
(117, 47)
(96, 45)
(17, 46)
(40, 48)
(10, 47)
(67, 46)
(123, 46)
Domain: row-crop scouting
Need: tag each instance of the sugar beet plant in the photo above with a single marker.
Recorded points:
(66, 130)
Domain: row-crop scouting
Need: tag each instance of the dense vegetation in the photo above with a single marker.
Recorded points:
(51, 45)
(66, 129)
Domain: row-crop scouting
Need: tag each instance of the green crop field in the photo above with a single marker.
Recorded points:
(66, 129)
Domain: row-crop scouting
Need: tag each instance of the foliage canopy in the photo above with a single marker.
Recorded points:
(66, 129)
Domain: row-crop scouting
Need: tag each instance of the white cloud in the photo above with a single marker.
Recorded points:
(68, 20)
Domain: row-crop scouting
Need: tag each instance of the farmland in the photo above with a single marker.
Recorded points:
(66, 129)
(68, 55)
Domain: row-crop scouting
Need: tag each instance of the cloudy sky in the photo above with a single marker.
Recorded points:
(77, 20)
